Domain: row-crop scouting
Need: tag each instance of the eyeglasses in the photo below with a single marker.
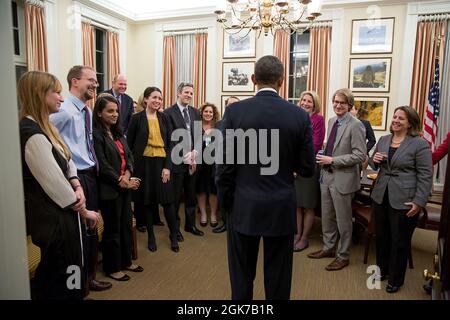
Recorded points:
(340, 102)
(92, 80)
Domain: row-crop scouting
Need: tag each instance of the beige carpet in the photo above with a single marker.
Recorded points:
(200, 272)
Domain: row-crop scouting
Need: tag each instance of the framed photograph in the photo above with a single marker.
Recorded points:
(372, 36)
(375, 111)
(236, 76)
(224, 98)
(241, 44)
(370, 75)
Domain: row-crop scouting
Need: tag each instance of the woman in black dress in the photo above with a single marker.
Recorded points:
(148, 136)
(205, 185)
(54, 198)
(115, 182)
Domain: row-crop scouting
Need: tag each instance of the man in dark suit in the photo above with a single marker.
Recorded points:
(183, 116)
(261, 202)
(223, 227)
(126, 106)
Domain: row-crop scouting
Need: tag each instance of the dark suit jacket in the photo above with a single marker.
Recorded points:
(110, 163)
(370, 136)
(177, 122)
(138, 138)
(265, 205)
(126, 110)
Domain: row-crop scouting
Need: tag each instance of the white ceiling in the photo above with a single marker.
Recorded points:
(141, 10)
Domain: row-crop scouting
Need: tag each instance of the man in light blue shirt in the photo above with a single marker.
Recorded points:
(74, 122)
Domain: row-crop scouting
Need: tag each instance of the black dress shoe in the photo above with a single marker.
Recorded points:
(180, 237)
(213, 224)
(392, 289)
(137, 269)
(194, 231)
(125, 277)
(142, 229)
(220, 229)
(174, 244)
(96, 285)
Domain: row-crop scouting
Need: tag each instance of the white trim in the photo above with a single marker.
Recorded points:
(337, 66)
(212, 53)
(52, 37)
(22, 58)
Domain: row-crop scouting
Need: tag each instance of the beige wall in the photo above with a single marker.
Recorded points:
(140, 58)
(399, 12)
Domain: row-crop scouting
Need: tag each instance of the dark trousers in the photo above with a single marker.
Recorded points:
(139, 214)
(242, 260)
(169, 214)
(393, 231)
(116, 241)
(90, 236)
(184, 183)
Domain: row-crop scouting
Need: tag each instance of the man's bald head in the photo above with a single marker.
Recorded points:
(119, 84)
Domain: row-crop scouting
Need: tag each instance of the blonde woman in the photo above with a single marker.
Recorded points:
(53, 194)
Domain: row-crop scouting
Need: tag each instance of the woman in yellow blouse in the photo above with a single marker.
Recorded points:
(149, 139)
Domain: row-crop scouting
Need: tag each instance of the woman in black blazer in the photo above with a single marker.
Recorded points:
(115, 181)
(149, 139)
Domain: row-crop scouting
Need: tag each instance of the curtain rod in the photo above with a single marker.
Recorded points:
(185, 31)
(434, 17)
(99, 24)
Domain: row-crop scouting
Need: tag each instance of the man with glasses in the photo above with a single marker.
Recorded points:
(339, 179)
(74, 122)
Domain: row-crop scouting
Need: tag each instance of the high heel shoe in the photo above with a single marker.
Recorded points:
(203, 223)
(152, 243)
(174, 244)
(213, 224)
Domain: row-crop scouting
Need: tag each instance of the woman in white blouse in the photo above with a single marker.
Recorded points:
(54, 199)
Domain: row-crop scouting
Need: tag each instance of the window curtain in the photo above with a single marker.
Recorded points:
(199, 69)
(184, 48)
(444, 102)
(319, 63)
(36, 36)
(169, 67)
(428, 47)
(113, 55)
(88, 34)
(281, 51)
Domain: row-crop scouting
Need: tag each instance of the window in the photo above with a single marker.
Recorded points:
(18, 29)
(101, 59)
(298, 66)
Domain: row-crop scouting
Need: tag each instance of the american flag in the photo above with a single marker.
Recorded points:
(430, 121)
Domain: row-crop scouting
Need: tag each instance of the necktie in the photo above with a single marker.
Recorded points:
(186, 117)
(331, 139)
(87, 130)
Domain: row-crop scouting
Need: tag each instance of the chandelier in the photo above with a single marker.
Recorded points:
(267, 15)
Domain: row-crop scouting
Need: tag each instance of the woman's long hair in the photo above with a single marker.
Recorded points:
(100, 104)
(216, 115)
(31, 91)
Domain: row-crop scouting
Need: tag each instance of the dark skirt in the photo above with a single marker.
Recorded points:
(152, 190)
(205, 180)
(308, 191)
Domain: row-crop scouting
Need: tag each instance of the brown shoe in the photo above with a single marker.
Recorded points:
(322, 254)
(337, 264)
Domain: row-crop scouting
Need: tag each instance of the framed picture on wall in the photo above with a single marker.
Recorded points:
(236, 76)
(224, 98)
(372, 36)
(239, 44)
(370, 75)
(374, 110)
